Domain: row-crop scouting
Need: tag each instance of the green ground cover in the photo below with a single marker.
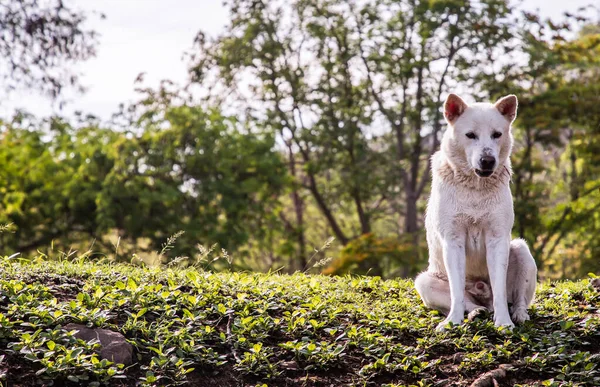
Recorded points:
(194, 327)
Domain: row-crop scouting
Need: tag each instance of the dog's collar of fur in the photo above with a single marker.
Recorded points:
(464, 177)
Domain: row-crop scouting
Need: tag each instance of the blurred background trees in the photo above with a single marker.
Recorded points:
(319, 120)
(40, 41)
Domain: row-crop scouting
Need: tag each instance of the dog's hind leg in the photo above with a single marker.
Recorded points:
(521, 280)
(435, 293)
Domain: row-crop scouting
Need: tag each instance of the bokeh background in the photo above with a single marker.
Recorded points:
(285, 135)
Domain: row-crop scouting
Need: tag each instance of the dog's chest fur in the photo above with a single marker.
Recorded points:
(476, 265)
(475, 214)
(472, 205)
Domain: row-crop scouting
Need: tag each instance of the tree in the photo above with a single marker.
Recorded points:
(39, 42)
(354, 91)
(50, 177)
(182, 169)
(196, 171)
(555, 175)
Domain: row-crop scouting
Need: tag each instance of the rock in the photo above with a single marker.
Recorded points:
(489, 379)
(113, 345)
(596, 283)
(289, 365)
(457, 358)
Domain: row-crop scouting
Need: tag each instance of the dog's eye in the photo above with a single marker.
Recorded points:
(496, 135)
(471, 135)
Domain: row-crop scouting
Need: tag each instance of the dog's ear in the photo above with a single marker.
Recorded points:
(454, 107)
(507, 106)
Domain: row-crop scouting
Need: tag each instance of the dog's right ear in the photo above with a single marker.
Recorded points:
(454, 107)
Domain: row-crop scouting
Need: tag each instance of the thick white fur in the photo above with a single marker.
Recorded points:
(469, 219)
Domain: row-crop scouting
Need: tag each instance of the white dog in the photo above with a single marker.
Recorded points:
(470, 217)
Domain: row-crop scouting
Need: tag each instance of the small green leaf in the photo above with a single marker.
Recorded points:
(131, 284)
(76, 352)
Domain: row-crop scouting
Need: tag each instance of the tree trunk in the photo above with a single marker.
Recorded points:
(365, 224)
(326, 211)
(412, 195)
(411, 224)
(299, 210)
(521, 193)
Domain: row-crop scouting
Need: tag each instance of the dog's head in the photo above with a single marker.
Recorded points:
(479, 137)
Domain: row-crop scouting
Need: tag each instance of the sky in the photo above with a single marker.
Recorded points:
(151, 36)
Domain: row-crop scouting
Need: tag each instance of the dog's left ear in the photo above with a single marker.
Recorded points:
(507, 106)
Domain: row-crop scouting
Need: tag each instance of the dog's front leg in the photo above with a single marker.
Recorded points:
(453, 249)
(497, 261)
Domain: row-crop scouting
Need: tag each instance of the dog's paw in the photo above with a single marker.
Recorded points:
(479, 313)
(520, 315)
(447, 324)
(504, 323)
(443, 326)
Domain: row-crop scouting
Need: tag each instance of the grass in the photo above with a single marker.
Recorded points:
(237, 329)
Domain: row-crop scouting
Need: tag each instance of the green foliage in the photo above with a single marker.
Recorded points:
(353, 89)
(335, 111)
(368, 254)
(188, 326)
(50, 181)
(201, 174)
(556, 174)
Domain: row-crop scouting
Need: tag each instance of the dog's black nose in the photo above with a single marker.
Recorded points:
(487, 163)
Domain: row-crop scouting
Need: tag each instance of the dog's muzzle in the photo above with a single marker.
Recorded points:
(486, 166)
